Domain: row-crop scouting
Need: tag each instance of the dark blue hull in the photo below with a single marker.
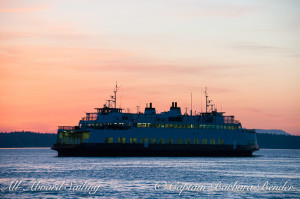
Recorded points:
(153, 150)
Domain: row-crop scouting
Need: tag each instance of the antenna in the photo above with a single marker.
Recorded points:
(115, 91)
(206, 96)
(191, 104)
(137, 109)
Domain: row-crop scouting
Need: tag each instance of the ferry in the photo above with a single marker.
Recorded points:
(109, 132)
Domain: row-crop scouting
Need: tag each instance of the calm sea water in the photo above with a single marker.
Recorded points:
(40, 174)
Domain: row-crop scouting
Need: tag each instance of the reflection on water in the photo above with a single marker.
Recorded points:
(136, 177)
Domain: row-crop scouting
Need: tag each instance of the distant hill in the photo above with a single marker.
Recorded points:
(26, 139)
(273, 139)
(272, 131)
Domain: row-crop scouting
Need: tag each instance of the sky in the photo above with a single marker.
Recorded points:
(61, 58)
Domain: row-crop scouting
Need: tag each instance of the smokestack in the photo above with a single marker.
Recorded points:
(175, 104)
(172, 104)
(150, 104)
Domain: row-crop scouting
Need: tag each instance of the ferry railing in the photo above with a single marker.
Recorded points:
(249, 130)
(68, 127)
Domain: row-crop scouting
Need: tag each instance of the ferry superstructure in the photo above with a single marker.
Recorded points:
(110, 132)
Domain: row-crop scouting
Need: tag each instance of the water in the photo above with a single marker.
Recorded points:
(173, 177)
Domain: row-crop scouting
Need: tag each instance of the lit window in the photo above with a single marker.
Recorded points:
(106, 140)
(204, 141)
(153, 140)
(221, 141)
(170, 141)
(196, 141)
(212, 141)
(179, 141)
(187, 141)
(161, 140)
(171, 125)
(139, 125)
(121, 140)
(110, 140)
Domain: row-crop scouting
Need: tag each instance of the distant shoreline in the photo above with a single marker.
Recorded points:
(32, 140)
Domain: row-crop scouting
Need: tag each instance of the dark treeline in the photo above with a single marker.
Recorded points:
(270, 141)
(30, 139)
(26, 139)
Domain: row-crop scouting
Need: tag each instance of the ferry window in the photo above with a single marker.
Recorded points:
(209, 126)
(133, 140)
(139, 125)
(217, 127)
(179, 141)
(148, 125)
(184, 126)
(196, 141)
(167, 126)
(153, 125)
(187, 141)
(134, 125)
(110, 140)
(162, 126)
(179, 125)
(161, 140)
(189, 126)
(170, 141)
(142, 140)
(171, 125)
(204, 141)
(175, 125)
(121, 140)
(221, 141)
(212, 141)
(106, 140)
(158, 125)
(144, 125)
(204, 126)
(196, 126)
(153, 140)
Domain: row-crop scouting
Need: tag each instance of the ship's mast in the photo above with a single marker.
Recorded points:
(206, 96)
(115, 91)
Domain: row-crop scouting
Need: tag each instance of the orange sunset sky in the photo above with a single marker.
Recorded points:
(61, 58)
